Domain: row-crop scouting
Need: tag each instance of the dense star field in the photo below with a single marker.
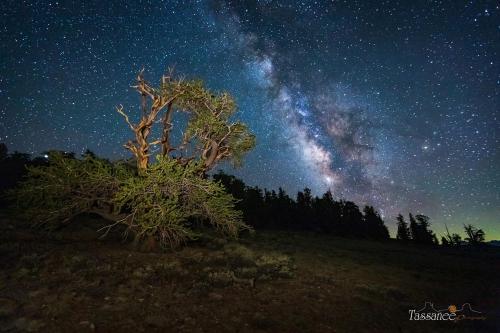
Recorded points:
(393, 104)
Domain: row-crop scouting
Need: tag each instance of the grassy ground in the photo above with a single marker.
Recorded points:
(270, 282)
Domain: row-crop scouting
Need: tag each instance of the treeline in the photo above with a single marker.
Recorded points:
(264, 209)
(418, 230)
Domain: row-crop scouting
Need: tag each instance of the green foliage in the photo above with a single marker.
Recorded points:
(163, 202)
(209, 122)
(54, 193)
(166, 199)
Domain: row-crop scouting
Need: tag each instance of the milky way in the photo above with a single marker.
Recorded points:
(393, 104)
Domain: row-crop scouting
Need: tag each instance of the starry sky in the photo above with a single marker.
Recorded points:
(389, 103)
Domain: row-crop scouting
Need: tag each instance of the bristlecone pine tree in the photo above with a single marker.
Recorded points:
(209, 137)
(160, 199)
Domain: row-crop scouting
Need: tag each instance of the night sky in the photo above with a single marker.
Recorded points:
(390, 103)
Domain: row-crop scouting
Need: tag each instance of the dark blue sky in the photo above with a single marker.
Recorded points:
(391, 103)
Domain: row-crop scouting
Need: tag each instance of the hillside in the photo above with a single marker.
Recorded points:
(68, 280)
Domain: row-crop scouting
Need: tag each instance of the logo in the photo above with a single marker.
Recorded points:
(451, 313)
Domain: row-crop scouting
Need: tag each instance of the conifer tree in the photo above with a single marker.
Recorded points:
(475, 236)
(162, 197)
(374, 226)
(403, 232)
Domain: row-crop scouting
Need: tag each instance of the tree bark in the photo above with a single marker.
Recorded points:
(167, 127)
(214, 149)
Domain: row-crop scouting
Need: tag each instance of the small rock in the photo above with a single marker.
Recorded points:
(89, 324)
(106, 307)
(37, 293)
(215, 296)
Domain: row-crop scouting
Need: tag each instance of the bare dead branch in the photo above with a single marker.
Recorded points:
(120, 111)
